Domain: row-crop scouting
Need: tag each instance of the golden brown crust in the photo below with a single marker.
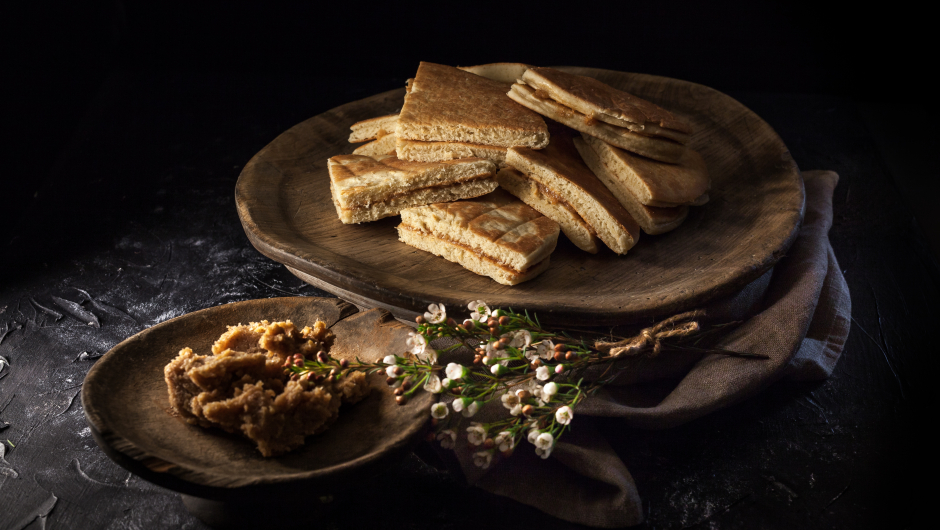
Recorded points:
(550, 205)
(656, 183)
(373, 128)
(653, 220)
(449, 105)
(497, 225)
(560, 168)
(661, 149)
(587, 94)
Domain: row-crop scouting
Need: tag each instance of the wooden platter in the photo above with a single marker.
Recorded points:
(127, 407)
(756, 208)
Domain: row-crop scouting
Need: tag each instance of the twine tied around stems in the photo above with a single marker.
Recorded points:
(681, 325)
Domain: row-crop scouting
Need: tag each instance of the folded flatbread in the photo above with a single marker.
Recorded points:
(596, 109)
(561, 172)
(384, 145)
(373, 128)
(496, 235)
(652, 220)
(369, 188)
(654, 183)
(446, 104)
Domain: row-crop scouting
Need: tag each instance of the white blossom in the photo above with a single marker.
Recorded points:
(544, 453)
(505, 441)
(521, 339)
(532, 436)
(509, 400)
(498, 369)
(433, 384)
(390, 371)
(482, 459)
(439, 411)
(389, 359)
(545, 441)
(517, 410)
(471, 409)
(448, 438)
(476, 434)
(430, 356)
(549, 390)
(559, 368)
(455, 371)
(542, 373)
(544, 349)
(460, 403)
(436, 313)
(480, 311)
(416, 342)
(446, 382)
(564, 415)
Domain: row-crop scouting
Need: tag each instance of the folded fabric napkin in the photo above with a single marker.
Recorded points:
(798, 314)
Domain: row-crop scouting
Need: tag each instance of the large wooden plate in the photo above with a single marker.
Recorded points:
(127, 407)
(756, 207)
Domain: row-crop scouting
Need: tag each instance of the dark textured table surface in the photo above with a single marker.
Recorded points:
(137, 225)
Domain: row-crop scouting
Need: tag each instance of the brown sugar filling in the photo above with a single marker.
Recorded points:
(394, 196)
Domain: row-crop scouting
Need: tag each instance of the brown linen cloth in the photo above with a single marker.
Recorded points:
(798, 314)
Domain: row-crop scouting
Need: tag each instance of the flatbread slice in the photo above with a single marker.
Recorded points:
(384, 145)
(496, 235)
(506, 73)
(651, 219)
(373, 128)
(605, 103)
(662, 149)
(654, 183)
(438, 151)
(560, 169)
(369, 188)
(449, 105)
(541, 198)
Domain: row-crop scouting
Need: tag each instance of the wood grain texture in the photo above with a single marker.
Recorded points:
(756, 206)
(125, 402)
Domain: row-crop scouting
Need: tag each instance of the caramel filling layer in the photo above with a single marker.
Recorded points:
(472, 250)
(409, 192)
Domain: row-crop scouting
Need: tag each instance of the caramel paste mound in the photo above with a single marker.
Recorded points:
(242, 387)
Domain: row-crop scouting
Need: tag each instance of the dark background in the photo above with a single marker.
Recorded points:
(188, 91)
(57, 55)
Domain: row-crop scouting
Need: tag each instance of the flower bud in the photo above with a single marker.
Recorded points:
(397, 370)
(322, 356)
(344, 363)
(390, 381)
(503, 320)
(469, 324)
(488, 443)
(334, 371)
(559, 355)
(478, 360)
(498, 370)
(570, 355)
(330, 379)
(406, 384)
(494, 331)
(298, 362)
(492, 323)
(420, 319)
(451, 322)
(536, 363)
(524, 395)
(461, 327)
(294, 377)
(502, 343)
(559, 368)
(429, 437)
(398, 391)
(528, 410)
(298, 356)
(401, 400)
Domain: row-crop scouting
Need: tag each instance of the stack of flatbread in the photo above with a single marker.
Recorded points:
(630, 168)
(636, 148)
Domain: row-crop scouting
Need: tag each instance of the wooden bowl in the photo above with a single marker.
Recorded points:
(127, 407)
(757, 198)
